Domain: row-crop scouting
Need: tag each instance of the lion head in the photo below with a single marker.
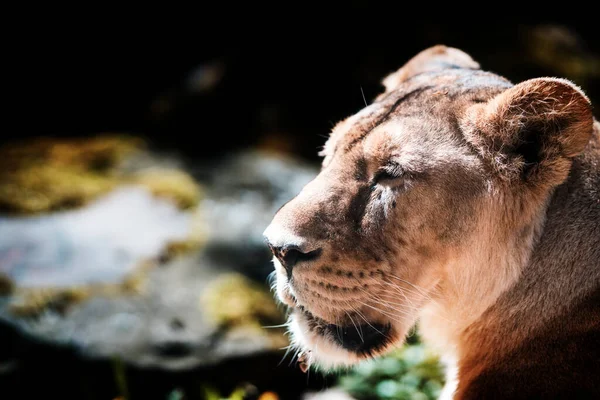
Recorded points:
(429, 198)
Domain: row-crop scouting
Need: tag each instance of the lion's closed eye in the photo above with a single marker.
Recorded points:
(392, 174)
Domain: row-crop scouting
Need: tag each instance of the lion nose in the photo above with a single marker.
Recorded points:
(290, 253)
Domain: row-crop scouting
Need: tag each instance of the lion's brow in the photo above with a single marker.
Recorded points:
(385, 116)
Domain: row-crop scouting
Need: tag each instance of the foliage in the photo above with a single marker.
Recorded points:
(411, 373)
(211, 393)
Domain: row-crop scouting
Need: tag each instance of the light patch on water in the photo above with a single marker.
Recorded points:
(100, 243)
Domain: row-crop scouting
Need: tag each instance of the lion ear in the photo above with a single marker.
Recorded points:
(533, 130)
(434, 58)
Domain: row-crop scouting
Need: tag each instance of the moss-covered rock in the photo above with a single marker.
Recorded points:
(99, 153)
(53, 174)
(45, 175)
(233, 299)
(243, 309)
(175, 185)
(49, 174)
(39, 188)
(33, 301)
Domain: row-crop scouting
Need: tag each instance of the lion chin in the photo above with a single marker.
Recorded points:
(325, 345)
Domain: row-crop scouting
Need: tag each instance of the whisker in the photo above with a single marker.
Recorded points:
(399, 310)
(339, 330)
(356, 327)
(395, 286)
(363, 96)
(419, 290)
(287, 351)
(392, 297)
(274, 326)
(386, 313)
(405, 307)
(430, 301)
(423, 290)
(401, 291)
(294, 357)
(407, 289)
(364, 319)
(388, 303)
(383, 297)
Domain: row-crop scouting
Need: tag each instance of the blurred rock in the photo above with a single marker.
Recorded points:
(175, 185)
(100, 243)
(244, 191)
(57, 174)
(155, 271)
(46, 174)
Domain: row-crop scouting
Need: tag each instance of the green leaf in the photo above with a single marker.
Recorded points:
(433, 389)
(419, 396)
(387, 389)
(176, 394)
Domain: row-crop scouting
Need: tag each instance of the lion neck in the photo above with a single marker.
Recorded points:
(478, 273)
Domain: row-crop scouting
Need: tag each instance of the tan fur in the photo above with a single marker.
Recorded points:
(434, 58)
(465, 202)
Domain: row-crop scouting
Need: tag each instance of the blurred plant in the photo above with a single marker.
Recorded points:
(210, 393)
(120, 375)
(411, 373)
(243, 391)
(176, 394)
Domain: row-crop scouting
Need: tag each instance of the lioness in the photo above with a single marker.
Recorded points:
(464, 202)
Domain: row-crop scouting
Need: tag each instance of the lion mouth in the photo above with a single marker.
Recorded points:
(362, 339)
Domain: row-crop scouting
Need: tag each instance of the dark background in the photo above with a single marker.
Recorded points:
(274, 86)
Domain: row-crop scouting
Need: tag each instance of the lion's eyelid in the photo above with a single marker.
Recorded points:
(389, 172)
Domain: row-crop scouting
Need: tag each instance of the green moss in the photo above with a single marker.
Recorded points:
(49, 174)
(45, 174)
(99, 153)
(172, 184)
(39, 188)
(235, 300)
(31, 302)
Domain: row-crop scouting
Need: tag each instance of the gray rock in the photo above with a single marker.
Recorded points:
(100, 243)
(164, 324)
(244, 192)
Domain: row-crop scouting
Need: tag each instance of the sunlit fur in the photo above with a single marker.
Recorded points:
(439, 202)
